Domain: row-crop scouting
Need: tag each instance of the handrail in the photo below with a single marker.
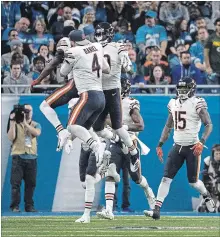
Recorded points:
(166, 91)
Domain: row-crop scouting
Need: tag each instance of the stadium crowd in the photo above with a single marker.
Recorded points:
(165, 40)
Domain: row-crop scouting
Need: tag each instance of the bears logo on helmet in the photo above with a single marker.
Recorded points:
(104, 32)
(185, 88)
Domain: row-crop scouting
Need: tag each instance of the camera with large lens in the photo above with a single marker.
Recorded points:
(20, 111)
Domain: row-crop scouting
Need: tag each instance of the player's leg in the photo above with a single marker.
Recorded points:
(83, 162)
(58, 98)
(174, 162)
(90, 182)
(141, 181)
(81, 113)
(112, 176)
(114, 96)
(193, 169)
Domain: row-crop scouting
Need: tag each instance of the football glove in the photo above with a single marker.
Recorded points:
(197, 149)
(160, 153)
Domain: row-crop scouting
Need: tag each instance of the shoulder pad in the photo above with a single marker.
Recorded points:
(134, 104)
(207, 160)
(200, 103)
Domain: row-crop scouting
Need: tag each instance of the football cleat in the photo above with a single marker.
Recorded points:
(83, 219)
(155, 214)
(150, 197)
(63, 136)
(210, 204)
(104, 214)
(113, 173)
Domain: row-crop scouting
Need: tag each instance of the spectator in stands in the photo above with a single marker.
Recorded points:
(34, 10)
(44, 52)
(170, 12)
(212, 55)
(197, 49)
(16, 77)
(187, 68)
(157, 78)
(174, 59)
(5, 44)
(155, 60)
(117, 10)
(151, 31)
(57, 27)
(88, 18)
(38, 67)
(215, 10)
(16, 47)
(41, 37)
(89, 32)
(22, 27)
(23, 135)
(123, 32)
(100, 12)
(10, 13)
(180, 32)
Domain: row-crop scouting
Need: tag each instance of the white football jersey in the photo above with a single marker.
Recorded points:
(187, 122)
(63, 44)
(86, 63)
(116, 55)
(129, 103)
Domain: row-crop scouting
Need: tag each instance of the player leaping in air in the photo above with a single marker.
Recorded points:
(118, 60)
(186, 112)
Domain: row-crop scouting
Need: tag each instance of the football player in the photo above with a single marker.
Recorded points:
(133, 120)
(186, 112)
(118, 60)
(63, 94)
(85, 60)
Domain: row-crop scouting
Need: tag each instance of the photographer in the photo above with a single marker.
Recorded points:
(211, 177)
(23, 132)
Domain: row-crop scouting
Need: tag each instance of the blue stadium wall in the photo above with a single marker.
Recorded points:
(52, 174)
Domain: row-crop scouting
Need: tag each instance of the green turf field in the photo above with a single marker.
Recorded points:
(122, 226)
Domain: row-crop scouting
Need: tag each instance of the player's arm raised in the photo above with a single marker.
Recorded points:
(164, 136)
(49, 68)
(68, 64)
(206, 120)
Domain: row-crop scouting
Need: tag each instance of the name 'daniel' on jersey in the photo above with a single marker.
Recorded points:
(90, 49)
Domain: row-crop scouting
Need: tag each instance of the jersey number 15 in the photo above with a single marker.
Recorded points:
(180, 118)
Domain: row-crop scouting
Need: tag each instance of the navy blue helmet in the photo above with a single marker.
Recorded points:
(104, 32)
(185, 88)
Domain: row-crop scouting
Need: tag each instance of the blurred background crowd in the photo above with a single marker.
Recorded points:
(165, 40)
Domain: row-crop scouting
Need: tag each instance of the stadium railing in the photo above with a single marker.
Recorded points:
(215, 89)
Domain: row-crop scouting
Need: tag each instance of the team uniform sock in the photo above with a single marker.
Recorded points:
(51, 116)
(89, 194)
(200, 187)
(84, 135)
(163, 191)
(124, 135)
(109, 195)
(143, 183)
